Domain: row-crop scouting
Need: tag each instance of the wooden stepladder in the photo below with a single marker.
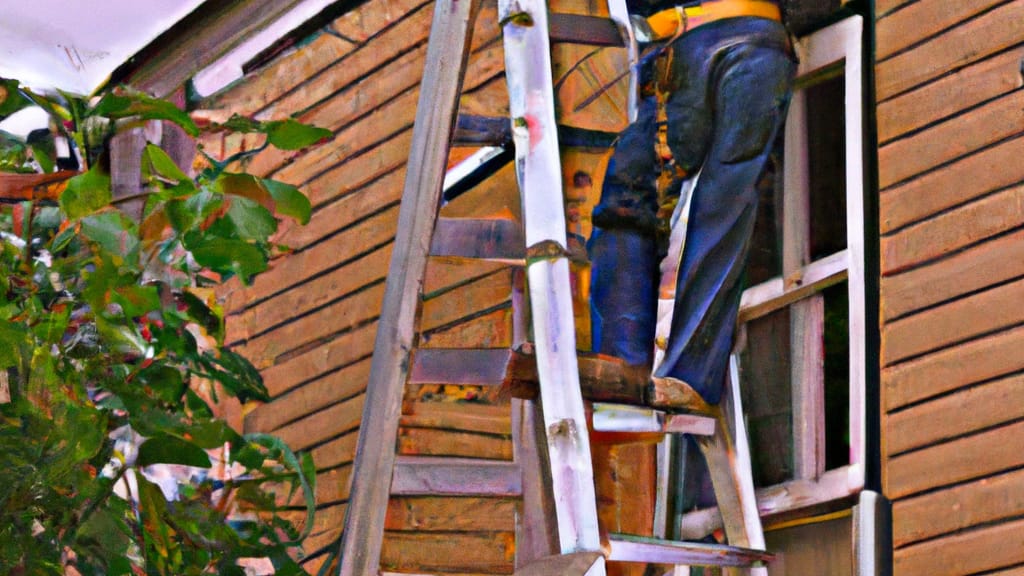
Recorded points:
(558, 366)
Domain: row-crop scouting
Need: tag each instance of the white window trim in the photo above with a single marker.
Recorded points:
(799, 288)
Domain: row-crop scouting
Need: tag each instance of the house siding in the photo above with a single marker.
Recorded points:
(951, 135)
(309, 322)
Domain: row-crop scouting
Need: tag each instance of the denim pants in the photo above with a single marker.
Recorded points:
(727, 89)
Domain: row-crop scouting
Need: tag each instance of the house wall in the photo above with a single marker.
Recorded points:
(309, 322)
(951, 138)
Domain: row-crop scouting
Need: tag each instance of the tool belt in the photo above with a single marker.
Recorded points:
(674, 21)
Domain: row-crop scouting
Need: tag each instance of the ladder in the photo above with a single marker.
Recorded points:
(554, 370)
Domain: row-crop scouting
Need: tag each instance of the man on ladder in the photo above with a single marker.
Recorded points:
(723, 83)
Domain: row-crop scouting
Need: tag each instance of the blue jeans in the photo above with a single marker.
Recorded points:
(728, 91)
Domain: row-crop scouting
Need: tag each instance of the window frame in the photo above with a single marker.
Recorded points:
(835, 48)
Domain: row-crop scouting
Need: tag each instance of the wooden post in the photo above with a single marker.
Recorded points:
(447, 54)
(531, 100)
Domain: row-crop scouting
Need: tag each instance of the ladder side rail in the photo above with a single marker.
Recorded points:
(447, 54)
(538, 168)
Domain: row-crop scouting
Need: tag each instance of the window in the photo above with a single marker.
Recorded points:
(800, 356)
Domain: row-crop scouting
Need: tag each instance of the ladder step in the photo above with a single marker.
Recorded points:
(575, 564)
(434, 476)
(625, 418)
(482, 238)
(602, 379)
(583, 29)
(477, 367)
(628, 548)
(473, 130)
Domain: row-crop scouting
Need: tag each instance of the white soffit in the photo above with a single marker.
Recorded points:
(76, 44)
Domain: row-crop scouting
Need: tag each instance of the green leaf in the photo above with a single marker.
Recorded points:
(86, 193)
(12, 338)
(197, 310)
(213, 434)
(306, 474)
(113, 231)
(167, 449)
(249, 220)
(127, 105)
(239, 123)
(137, 300)
(156, 162)
(229, 256)
(290, 201)
(11, 98)
(293, 135)
(246, 186)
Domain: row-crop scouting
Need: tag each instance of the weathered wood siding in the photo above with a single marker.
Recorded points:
(951, 136)
(309, 322)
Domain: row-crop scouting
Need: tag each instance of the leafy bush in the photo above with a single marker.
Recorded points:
(110, 336)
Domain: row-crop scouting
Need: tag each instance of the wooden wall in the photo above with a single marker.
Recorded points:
(951, 134)
(309, 322)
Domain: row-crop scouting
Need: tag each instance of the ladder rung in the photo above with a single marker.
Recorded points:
(473, 130)
(484, 238)
(433, 476)
(582, 29)
(479, 367)
(628, 548)
(602, 379)
(575, 564)
(625, 418)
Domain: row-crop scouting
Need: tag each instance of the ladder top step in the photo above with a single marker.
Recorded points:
(434, 476)
(583, 29)
(627, 548)
(472, 130)
(602, 379)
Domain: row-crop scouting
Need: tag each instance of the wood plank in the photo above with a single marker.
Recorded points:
(638, 549)
(464, 514)
(954, 138)
(449, 552)
(323, 425)
(289, 273)
(967, 411)
(338, 317)
(575, 564)
(886, 7)
(921, 20)
(584, 29)
(950, 94)
(335, 452)
(947, 370)
(444, 274)
(956, 321)
(976, 268)
(332, 487)
(777, 293)
(343, 212)
(970, 552)
(321, 361)
(491, 330)
(625, 419)
(967, 458)
(483, 294)
(536, 528)
(331, 182)
(953, 230)
(450, 37)
(411, 30)
(957, 47)
(464, 417)
(316, 395)
(259, 88)
(492, 238)
(432, 442)
(490, 99)
(371, 130)
(313, 294)
(984, 501)
(367, 21)
(986, 171)
(424, 476)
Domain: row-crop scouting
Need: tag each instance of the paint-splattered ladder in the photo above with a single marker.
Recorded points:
(553, 369)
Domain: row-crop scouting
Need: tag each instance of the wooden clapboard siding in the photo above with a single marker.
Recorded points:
(309, 322)
(951, 132)
(960, 44)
